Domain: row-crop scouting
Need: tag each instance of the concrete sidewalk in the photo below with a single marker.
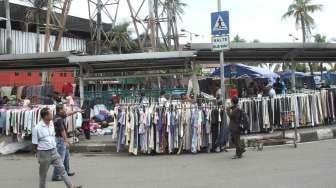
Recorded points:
(95, 144)
(105, 144)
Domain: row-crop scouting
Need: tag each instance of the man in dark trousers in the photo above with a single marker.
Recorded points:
(62, 141)
(44, 145)
(235, 125)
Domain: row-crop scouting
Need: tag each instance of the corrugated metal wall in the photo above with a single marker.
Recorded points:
(24, 42)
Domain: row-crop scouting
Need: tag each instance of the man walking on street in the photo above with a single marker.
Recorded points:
(44, 145)
(236, 123)
(62, 142)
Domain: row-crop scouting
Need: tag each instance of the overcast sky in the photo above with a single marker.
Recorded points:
(251, 19)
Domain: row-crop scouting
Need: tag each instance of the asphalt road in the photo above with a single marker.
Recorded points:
(311, 165)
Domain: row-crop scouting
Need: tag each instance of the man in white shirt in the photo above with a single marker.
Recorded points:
(44, 144)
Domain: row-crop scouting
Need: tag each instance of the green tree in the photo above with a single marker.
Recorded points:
(320, 38)
(120, 37)
(237, 38)
(256, 41)
(300, 67)
(174, 10)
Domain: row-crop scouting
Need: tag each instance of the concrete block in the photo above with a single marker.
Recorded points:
(324, 134)
(334, 132)
(308, 136)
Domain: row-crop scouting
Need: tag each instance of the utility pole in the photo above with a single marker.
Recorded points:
(156, 23)
(45, 74)
(47, 29)
(151, 22)
(175, 35)
(37, 34)
(99, 26)
(8, 28)
(169, 25)
(221, 60)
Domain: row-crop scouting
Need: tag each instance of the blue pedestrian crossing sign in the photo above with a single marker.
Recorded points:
(220, 23)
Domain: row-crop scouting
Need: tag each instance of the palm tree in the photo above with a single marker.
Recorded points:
(320, 39)
(175, 6)
(301, 10)
(237, 38)
(120, 37)
(173, 9)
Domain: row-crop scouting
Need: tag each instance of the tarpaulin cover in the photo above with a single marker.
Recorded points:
(240, 70)
(288, 74)
(329, 77)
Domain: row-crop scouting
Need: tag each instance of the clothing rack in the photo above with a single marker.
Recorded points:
(199, 123)
(20, 120)
(197, 107)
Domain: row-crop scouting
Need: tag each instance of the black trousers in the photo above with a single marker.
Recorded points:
(214, 132)
(237, 143)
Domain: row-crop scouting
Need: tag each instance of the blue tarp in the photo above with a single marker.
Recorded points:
(329, 77)
(288, 74)
(240, 70)
(301, 79)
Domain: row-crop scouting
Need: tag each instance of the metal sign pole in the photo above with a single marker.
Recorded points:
(221, 60)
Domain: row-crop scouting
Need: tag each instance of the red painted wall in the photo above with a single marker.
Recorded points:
(34, 78)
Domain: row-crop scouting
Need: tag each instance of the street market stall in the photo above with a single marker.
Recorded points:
(207, 133)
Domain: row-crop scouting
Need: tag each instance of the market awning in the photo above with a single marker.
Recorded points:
(267, 52)
(134, 62)
(98, 63)
(36, 61)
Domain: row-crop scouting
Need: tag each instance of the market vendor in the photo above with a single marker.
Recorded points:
(279, 86)
(252, 89)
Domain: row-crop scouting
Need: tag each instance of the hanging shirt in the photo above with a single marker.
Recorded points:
(67, 89)
(162, 101)
(6, 91)
(271, 93)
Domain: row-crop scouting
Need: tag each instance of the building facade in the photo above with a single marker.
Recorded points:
(24, 39)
